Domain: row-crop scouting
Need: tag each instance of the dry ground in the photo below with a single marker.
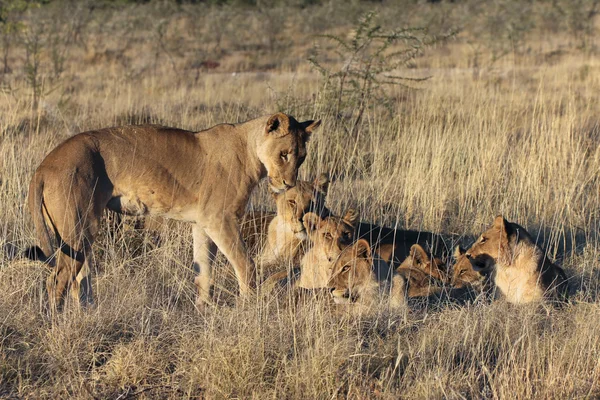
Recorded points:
(518, 136)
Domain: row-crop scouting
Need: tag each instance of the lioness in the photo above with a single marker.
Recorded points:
(286, 232)
(358, 277)
(521, 271)
(329, 236)
(201, 177)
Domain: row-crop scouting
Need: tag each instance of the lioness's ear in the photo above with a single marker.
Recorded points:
(351, 217)
(419, 255)
(311, 221)
(505, 247)
(322, 183)
(363, 250)
(501, 224)
(458, 251)
(278, 125)
(310, 126)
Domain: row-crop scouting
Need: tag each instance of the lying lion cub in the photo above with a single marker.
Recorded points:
(464, 276)
(522, 272)
(359, 278)
(204, 178)
(286, 232)
(422, 272)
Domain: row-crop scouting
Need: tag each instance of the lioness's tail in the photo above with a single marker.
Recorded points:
(36, 207)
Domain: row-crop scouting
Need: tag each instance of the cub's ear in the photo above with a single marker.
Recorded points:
(311, 221)
(322, 183)
(419, 255)
(362, 248)
(458, 251)
(351, 217)
(310, 126)
(278, 125)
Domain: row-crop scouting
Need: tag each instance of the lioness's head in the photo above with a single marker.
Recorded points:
(492, 243)
(420, 259)
(463, 274)
(282, 149)
(331, 234)
(305, 197)
(352, 273)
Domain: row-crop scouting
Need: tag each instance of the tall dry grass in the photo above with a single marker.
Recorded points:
(519, 137)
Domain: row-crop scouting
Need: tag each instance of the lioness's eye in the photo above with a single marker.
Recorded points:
(292, 203)
(328, 236)
(285, 156)
(346, 268)
(483, 239)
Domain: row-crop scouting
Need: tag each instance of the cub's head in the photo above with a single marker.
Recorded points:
(352, 275)
(463, 274)
(420, 259)
(305, 197)
(491, 245)
(331, 234)
(282, 149)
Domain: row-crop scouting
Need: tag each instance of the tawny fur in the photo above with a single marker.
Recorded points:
(328, 237)
(360, 278)
(522, 272)
(201, 177)
(286, 233)
(422, 273)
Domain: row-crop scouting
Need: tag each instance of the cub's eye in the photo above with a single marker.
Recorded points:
(328, 236)
(346, 268)
(462, 272)
(292, 203)
(285, 156)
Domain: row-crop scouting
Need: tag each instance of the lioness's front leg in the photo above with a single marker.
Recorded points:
(228, 239)
(205, 251)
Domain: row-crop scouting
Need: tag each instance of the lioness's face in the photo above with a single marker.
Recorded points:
(305, 197)
(331, 234)
(351, 272)
(282, 149)
(463, 273)
(487, 248)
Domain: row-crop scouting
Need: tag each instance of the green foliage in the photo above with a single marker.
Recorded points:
(367, 63)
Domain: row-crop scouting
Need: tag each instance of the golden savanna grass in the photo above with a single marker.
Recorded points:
(518, 136)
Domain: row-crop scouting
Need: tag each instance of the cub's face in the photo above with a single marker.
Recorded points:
(419, 259)
(305, 197)
(351, 272)
(463, 273)
(282, 149)
(330, 235)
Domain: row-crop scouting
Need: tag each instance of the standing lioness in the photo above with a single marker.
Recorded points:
(201, 177)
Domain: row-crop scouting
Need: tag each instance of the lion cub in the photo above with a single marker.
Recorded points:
(286, 232)
(358, 277)
(329, 236)
(422, 272)
(463, 274)
(521, 271)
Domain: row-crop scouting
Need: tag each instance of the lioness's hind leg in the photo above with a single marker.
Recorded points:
(81, 288)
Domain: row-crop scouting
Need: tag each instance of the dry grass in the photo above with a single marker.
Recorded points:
(519, 137)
